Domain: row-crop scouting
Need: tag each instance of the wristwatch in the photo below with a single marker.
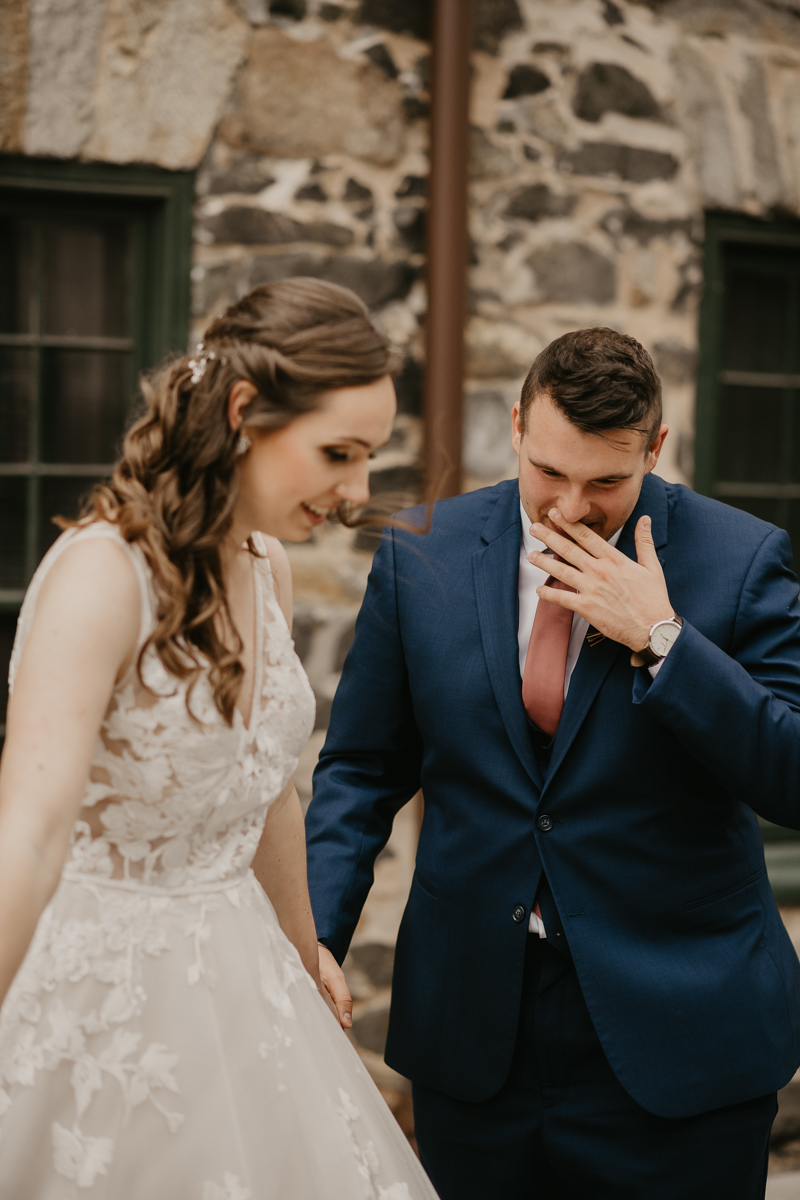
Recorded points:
(662, 638)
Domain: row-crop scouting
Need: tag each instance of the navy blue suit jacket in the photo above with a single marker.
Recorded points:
(654, 856)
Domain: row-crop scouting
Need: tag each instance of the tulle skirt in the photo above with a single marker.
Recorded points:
(167, 1046)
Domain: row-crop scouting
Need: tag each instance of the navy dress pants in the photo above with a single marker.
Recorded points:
(563, 1128)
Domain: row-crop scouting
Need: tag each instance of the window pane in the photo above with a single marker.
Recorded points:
(749, 447)
(8, 628)
(86, 279)
(59, 498)
(16, 267)
(84, 402)
(16, 391)
(13, 507)
(755, 324)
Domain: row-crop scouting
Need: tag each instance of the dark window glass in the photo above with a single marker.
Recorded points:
(84, 401)
(755, 325)
(86, 279)
(8, 627)
(13, 512)
(60, 497)
(750, 434)
(16, 275)
(17, 379)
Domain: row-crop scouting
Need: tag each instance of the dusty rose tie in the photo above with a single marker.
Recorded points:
(546, 662)
(546, 666)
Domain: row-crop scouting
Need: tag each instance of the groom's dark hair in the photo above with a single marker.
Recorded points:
(600, 379)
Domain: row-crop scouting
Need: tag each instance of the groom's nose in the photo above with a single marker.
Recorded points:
(574, 505)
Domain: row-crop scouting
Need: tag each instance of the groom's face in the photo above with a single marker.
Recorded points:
(592, 478)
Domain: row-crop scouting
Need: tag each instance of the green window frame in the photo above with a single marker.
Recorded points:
(153, 208)
(747, 447)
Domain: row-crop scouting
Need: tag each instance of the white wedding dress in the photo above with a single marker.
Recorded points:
(162, 1040)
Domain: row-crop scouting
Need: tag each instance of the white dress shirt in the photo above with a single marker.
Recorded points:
(530, 578)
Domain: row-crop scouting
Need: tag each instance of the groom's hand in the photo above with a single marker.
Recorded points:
(622, 599)
(334, 983)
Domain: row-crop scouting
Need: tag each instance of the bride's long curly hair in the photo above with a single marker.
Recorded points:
(173, 491)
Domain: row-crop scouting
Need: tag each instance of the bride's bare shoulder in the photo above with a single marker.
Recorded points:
(93, 579)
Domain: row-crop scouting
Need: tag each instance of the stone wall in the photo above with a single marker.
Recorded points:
(601, 132)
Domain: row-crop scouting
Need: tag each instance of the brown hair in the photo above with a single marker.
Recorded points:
(600, 379)
(173, 491)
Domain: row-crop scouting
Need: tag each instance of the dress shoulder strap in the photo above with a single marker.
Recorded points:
(98, 529)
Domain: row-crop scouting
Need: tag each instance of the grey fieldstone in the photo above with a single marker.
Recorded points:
(787, 1123)
(247, 175)
(311, 191)
(612, 13)
(376, 282)
(370, 1028)
(209, 284)
(627, 222)
(537, 202)
(297, 99)
(63, 46)
(409, 385)
(633, 163)
(412, 185)
(487, 434)
(525, 80)
(152, 101)
(402, 484)
(608, 87)
(492, 20)
(410, 224)
(382, 59)
(374, 959)
(294, 9)
(675, 363)
(573, 273)
(248, 225)
(754, 102)
(399, 16)
(357, 192)
(706, 127)
(486, 160)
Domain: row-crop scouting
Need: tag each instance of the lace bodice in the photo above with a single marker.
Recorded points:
(173, 800)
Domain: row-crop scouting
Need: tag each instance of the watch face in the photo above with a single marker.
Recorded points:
(663, 637)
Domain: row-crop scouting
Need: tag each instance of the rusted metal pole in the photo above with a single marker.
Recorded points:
(448, 244)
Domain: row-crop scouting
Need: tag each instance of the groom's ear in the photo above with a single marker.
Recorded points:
(656, 448)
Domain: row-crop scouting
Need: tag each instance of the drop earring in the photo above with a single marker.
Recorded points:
(243, 444)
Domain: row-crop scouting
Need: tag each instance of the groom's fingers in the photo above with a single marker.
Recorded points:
(335, 984)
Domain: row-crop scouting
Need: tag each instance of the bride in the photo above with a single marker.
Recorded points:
(164, 1033)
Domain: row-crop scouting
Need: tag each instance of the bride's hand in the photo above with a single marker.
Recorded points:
(334, 988)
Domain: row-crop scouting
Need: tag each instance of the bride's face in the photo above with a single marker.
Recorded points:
(290, 480)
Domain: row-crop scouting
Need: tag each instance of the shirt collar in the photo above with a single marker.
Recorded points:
(530, 543)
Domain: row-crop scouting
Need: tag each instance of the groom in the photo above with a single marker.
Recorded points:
(594, 996)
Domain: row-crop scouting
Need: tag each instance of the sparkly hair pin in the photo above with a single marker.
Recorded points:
(199, 364)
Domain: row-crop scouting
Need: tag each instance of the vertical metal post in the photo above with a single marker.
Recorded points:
(448, 244)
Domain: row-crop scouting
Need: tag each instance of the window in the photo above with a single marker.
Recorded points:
(94, 287)
(748, 406)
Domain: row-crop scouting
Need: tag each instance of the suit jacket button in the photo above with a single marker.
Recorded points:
(518, 913)
(544, 823)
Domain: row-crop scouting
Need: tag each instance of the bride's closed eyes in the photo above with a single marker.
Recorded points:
(337, 455)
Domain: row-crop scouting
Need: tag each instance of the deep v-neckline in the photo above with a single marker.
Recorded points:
(258, 649)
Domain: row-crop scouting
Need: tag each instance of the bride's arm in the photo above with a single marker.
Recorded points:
(83, 635)
(280, 867)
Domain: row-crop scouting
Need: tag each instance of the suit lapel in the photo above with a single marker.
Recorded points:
(496, 575)
(595, 661)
